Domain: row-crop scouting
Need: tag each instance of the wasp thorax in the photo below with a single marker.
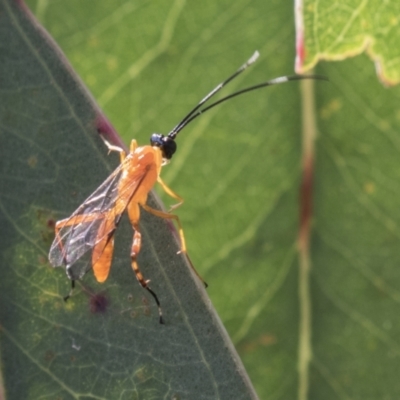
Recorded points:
(165, 143)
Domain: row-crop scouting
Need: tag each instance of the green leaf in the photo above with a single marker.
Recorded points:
(326, 332)
(338, 30)
(106, 341)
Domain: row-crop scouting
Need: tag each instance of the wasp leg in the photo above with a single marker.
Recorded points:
(133, 145)
(171, 193)
(70, 292)
(120, 150)
(134, 215)
(166, 215)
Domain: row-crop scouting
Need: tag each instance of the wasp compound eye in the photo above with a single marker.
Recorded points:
(166, 144)
(157, 139)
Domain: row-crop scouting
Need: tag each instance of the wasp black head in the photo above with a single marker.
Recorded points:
(165, 143)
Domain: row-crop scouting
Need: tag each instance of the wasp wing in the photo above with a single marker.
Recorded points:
(79, 233)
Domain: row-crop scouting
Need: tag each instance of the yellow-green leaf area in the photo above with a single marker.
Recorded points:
(340, 29)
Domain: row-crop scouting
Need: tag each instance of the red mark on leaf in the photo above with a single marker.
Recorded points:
(300, 51)
(98, 303)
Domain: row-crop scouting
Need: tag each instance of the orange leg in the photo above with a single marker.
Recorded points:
(161, 214)
(134, 216)
(120, 150)
(171, 193)
(166, 215)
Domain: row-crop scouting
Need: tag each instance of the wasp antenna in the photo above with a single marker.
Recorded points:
(196, 111)
(253, 58)
(275, 81)
(183, 123)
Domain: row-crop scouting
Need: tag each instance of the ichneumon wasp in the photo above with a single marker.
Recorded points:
(92, 226)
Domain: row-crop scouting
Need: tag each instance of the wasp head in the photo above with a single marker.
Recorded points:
(165, 143)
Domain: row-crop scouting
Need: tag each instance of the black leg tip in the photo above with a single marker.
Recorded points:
(162, 320)
(69, 294)
(206, 285)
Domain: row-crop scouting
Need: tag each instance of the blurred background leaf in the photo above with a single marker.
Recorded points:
(239, 171)
(335, 31)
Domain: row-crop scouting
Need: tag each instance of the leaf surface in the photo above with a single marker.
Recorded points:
(106, 341)
(324, 333)
(337, 30)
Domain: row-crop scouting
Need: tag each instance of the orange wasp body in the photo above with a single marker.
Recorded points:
(92, 226)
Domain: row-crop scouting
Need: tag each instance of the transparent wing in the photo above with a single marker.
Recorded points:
(80, 232)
